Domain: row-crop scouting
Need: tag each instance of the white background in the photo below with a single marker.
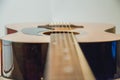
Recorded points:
(21, 11)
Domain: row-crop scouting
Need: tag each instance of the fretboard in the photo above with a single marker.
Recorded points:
(65, 60)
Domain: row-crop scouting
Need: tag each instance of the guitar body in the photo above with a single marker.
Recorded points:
(29, 50)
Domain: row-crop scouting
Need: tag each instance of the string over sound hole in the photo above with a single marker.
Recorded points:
(60, 31)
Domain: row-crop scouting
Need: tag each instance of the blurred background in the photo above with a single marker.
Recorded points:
(22, 11)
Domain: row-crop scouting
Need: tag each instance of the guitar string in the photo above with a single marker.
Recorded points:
(55, 44)
(56, 51)
(66, 44)
(73, 54)
(51, 55)
(64, 40)
(63, 45)
(67, 64)
(78, 51)
(60, 44)
(71, 51)
(72, 36)
(66, 34)
(75, 47)
(58, 37)
(70, 44)
(82, 57)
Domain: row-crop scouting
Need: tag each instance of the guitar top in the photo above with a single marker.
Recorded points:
(38, 32)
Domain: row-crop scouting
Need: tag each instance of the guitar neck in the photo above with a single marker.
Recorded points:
(65, 60)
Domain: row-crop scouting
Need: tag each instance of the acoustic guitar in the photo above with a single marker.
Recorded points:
(65, 59)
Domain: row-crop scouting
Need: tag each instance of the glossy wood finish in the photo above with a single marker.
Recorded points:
(98, 55)
(30, 59)
(94, 34)
(101, 58)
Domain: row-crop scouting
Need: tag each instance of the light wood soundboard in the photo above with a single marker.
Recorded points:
(91, 32)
